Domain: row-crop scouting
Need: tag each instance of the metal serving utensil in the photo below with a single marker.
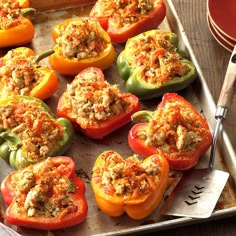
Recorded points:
(198, 190)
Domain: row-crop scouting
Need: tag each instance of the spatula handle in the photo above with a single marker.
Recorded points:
(224, 102)
(229, 84)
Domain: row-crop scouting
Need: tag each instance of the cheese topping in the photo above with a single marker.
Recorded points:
(82, 40)
(129, 178)
(43, 191)
(38, 132)
(18, 74)
(155, 59)
(92, 101)
(173, 129)
(10, 14)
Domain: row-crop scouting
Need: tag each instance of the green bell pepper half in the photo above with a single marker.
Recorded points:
(12, 148)
(129, 67)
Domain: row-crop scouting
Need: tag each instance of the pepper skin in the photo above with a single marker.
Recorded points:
(55, 169)
(30, 117)
(30, 78)
(85, 44)
(20, 32)
(145, 182)
(88, 83)
(123, 20)
(152, 65)
(174, 129)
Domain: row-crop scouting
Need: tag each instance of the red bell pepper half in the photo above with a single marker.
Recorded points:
(46, 195)
(175, 129)
(94, 106)
(125, 19)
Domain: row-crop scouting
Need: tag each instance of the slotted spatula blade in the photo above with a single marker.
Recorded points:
(196, 194)
(198, 190)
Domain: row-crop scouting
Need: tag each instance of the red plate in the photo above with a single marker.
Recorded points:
(223, 14)
(219, 38)
(224, 37)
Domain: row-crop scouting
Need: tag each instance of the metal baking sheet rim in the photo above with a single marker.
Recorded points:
(170, 224)
(224, 143)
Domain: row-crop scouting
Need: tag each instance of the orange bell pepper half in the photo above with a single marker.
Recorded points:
(15, 27)
(20, 74)
(129, 185)
(80, 43)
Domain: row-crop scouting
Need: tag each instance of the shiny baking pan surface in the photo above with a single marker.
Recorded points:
(84, 150)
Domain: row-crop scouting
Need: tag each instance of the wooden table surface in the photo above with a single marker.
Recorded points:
(213, 60)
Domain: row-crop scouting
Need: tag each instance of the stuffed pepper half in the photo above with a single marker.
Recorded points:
(21, 74)
(80, 43)
(46, 195)
(152, 65)
(94, 106)
(175, 129)
(29, 132)
(15, 27)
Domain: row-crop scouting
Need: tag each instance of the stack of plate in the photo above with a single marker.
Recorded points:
(221, 19)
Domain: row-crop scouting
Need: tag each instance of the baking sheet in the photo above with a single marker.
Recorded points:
(84, 150)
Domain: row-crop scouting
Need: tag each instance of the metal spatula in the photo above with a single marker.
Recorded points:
(198, 190)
